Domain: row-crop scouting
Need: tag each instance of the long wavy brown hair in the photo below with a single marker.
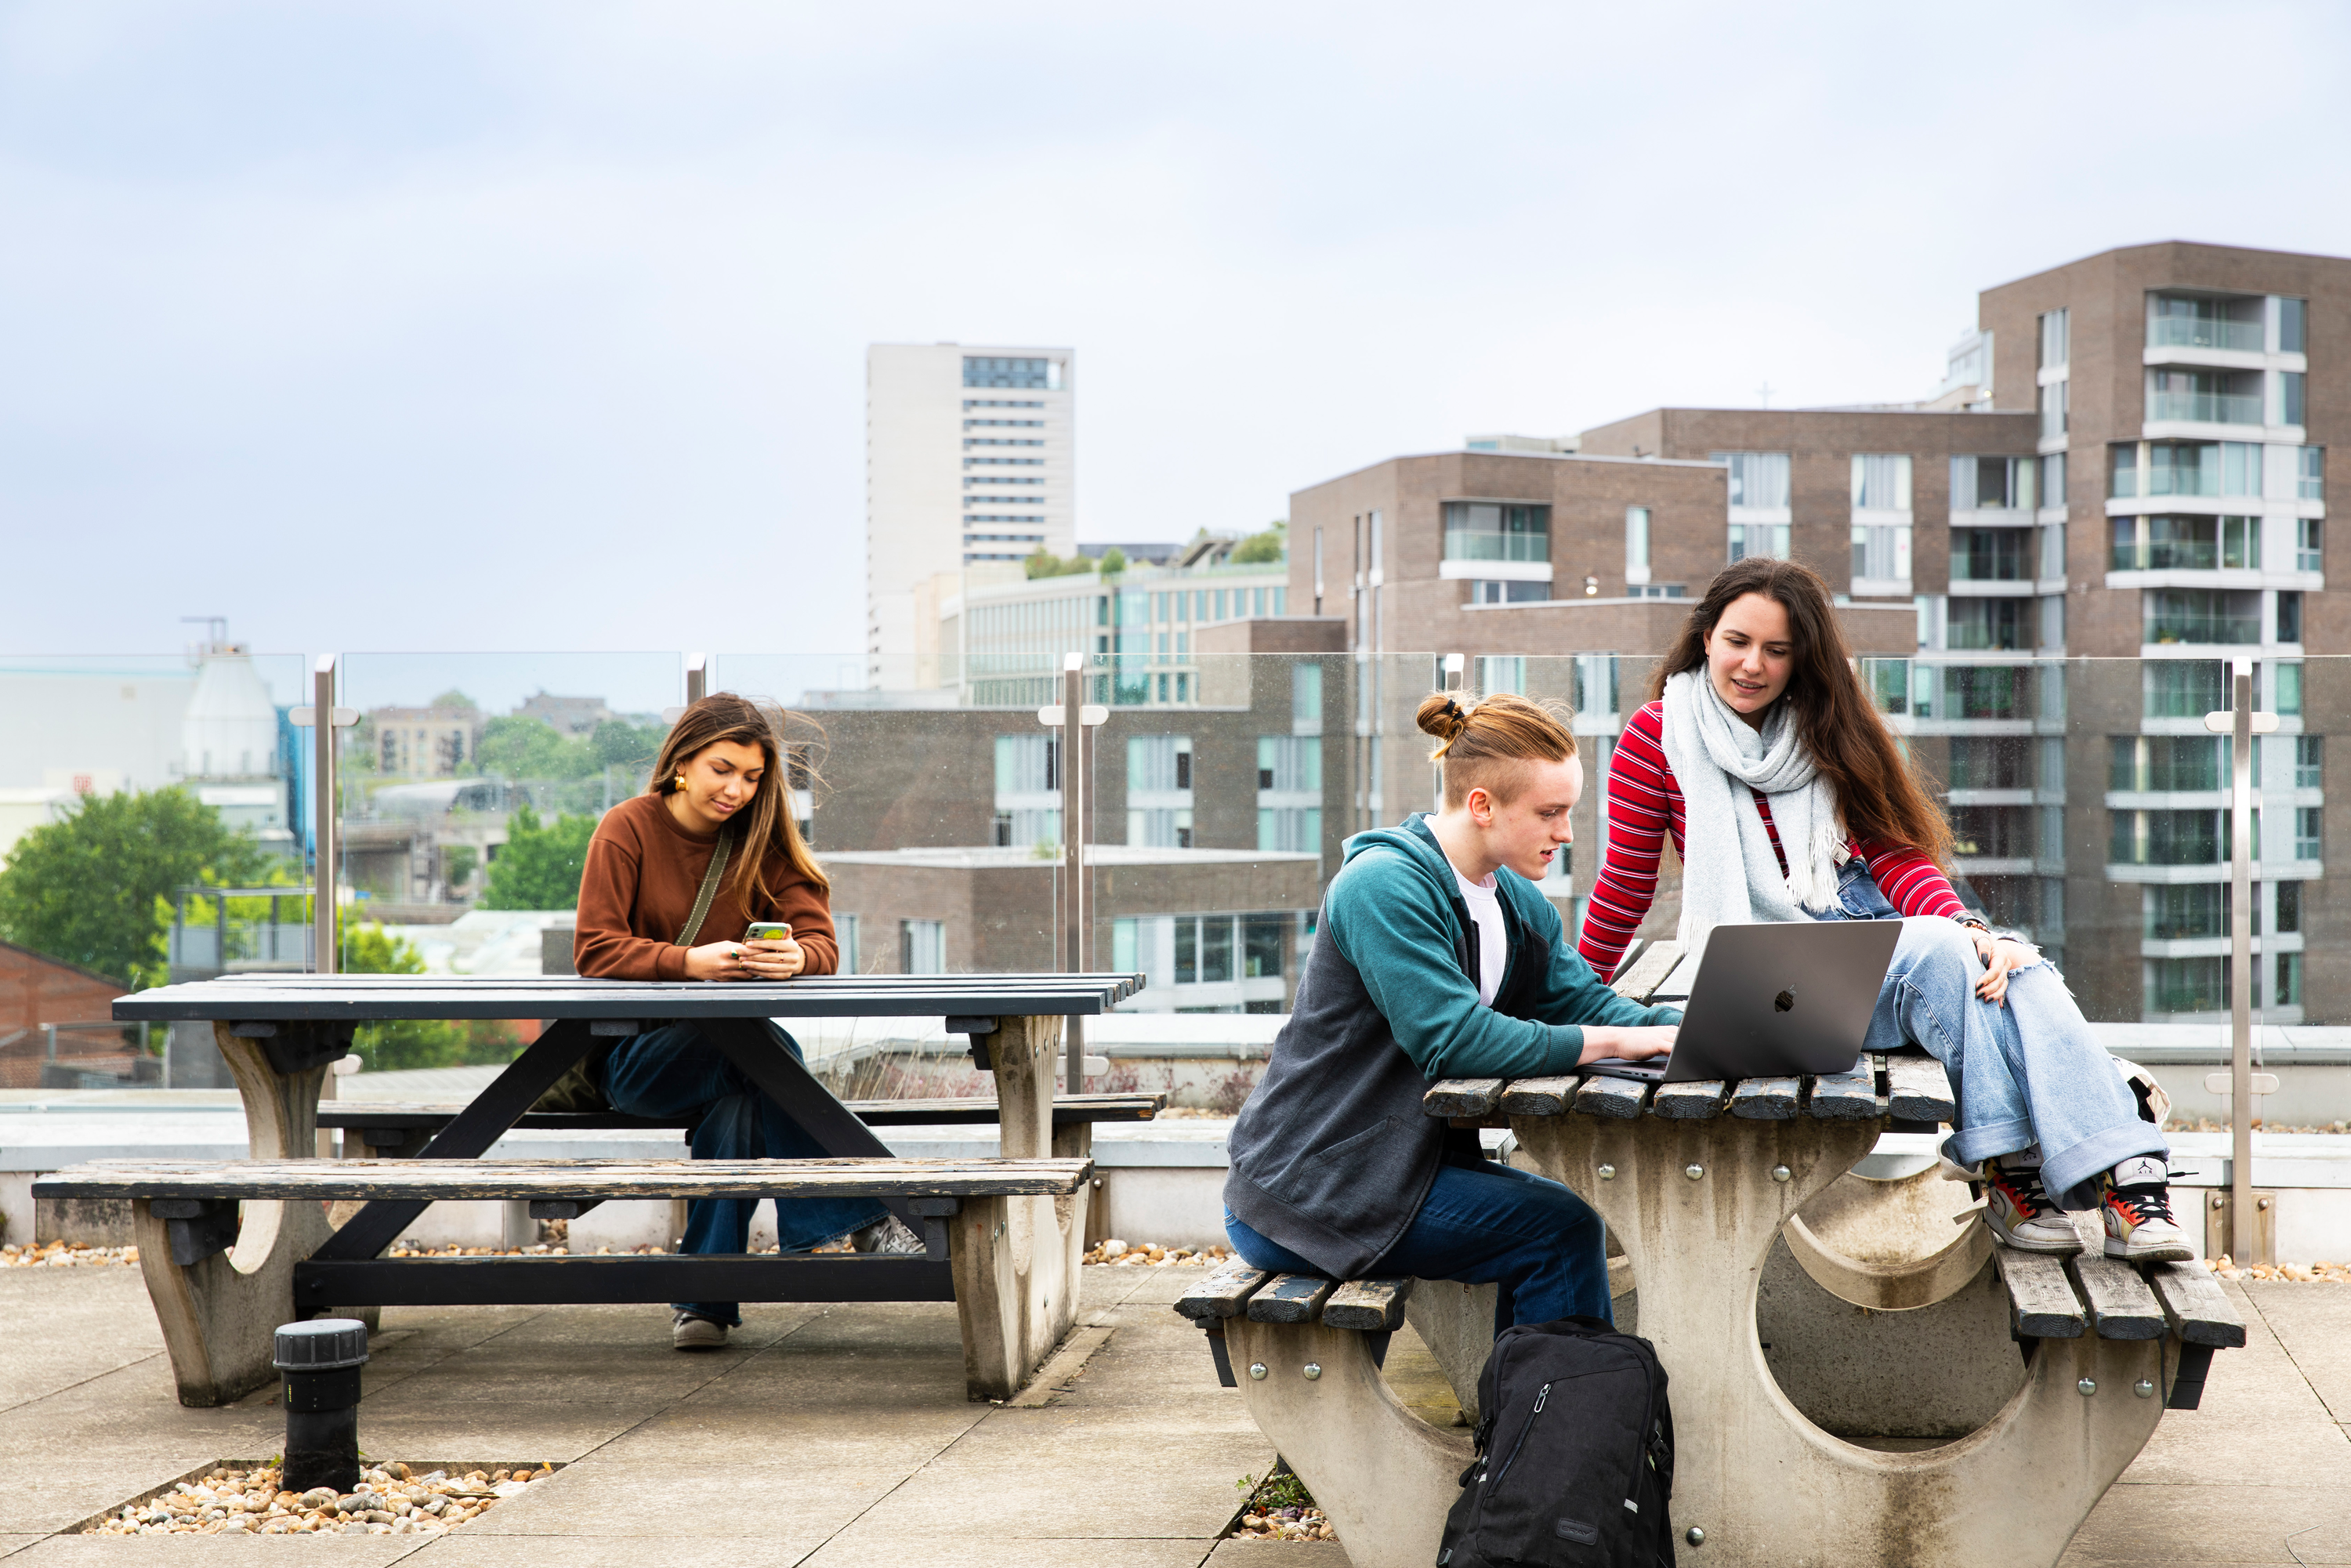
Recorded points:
(769, 827)
(1878, 785)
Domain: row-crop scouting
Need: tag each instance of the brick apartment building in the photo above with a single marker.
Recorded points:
(2126, 463)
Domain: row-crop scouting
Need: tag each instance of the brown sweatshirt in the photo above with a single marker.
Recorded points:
(638, 889)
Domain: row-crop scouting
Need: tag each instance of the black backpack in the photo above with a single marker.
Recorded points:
(1575, 1454)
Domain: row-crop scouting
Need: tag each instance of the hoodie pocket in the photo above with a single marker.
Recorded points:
(1338, 1178)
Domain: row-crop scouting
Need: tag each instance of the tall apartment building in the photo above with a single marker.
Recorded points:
(968, 462)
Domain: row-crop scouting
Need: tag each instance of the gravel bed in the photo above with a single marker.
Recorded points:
(1131, 1253)
(2300, 1273)
(64, 1255)
(393, 1499)
(2206, 1124)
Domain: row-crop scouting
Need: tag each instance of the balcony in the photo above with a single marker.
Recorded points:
(2202, 616)
(2203, 408)
(2204, 332)
(1475, 544)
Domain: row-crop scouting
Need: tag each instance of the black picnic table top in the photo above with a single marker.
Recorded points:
(367, 997)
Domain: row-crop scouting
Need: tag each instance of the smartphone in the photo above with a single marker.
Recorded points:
(768, 931)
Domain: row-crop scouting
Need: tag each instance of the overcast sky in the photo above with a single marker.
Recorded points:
(511, 326)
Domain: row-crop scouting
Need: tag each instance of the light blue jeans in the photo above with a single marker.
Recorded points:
(2029, 1072)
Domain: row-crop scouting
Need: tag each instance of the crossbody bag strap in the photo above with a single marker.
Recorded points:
(709, 889)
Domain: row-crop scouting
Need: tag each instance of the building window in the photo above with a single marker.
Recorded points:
(2168, 837)
(2310, 474)
(1979, 555)
(2292, 315)
(1881, 552)
(1159, 790)
(922, 948)
(2309, 542)
(2168, 764)
(2289, 907)
(1637, 544)
(1989, 624)
(1489, 530)
(2122, 470)
(2289, 616)
(2052, 409)
(2289, 980)
(1037, 375)
(1757, 479)
(1758, 538)
(1658, 591)
(2203, 397)
(1487, 592)
(2054, 336)
(1881, 481)
(2053, 480)
(844, 936)
(2184, 688)
(2291, 391)
(2188, 985)
(2204, 321)
(2286, 690)
(2188, 468)
(1993, 484)
(2305, 832)
(2186, 543)
(1502, 672)
(2202, 616)
(2309, 761)
(1595, 688)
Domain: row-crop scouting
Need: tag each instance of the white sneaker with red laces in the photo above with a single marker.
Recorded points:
(2020, 1214)
(2135, 1201)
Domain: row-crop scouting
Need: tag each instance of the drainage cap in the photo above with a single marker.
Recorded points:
(325, 1344)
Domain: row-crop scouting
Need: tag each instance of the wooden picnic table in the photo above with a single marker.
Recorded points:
(280, 1033)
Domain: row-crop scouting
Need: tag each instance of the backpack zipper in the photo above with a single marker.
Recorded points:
(1542, 1397)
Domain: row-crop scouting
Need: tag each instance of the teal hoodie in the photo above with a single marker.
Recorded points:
(1331, 1157)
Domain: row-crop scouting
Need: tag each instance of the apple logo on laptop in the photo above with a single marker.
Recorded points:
(1785, 1001)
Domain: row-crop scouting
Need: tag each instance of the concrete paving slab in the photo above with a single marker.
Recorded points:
(2313, 1322)
(794, 1497)
(17, 1543)
(698, 1433)
(856, 1550)
(2259, 1421)
(462, 1549)
(209, 1550)
(436, 1431)
(67, 1325)
(2162, 1527)
(1009, 1478)
(1240, 1554)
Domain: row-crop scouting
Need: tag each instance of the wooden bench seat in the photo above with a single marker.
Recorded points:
(393, 1127)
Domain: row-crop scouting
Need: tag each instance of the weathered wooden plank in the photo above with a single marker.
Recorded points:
(1845, 1096)
(2041, 1300)
(1289, 1299)
(1222, 1294)
(443, 1180)
(1601, 1095)
(1917, 1089)
(1648, 971)
(1765, 1099)
(1370, 1305)
(1540, 1097)
(2195, 1306)
(1461, 1097)
(2121, 1306)
(1699, 1102)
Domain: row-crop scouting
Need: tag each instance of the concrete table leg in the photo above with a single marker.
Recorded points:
(1384, 1476)
(1017, 1273)
(1697, 1208)
(218, 1315)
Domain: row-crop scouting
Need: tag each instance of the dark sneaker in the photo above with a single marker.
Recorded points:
(689, 1332)
(2135, 1201)
(887, 1235)
(2020, 1214)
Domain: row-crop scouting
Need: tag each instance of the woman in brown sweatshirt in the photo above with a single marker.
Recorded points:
(719, 776)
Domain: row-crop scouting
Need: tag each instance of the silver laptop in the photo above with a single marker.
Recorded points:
(1773, 1001)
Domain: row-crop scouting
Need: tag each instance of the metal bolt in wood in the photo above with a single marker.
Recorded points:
(1256, 1372)
(2088, 1386)
(1607, 1173)
(1312, 1370)
(1695, 1173)
(1782, 1173)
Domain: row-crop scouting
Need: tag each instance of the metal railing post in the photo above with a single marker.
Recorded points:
(1073, 855)
(2242, 1232)
(324, 880)
(697, 677)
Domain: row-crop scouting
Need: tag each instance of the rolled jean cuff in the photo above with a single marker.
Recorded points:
(2063, 1171)
(1973, 1145)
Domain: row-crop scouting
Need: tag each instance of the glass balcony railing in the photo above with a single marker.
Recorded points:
(2204, 408)
(2085, 793)
(2194, 332)
(1468, 544)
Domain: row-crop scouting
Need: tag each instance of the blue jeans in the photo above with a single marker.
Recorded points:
(1486, 1224)
(675, 1072)
(2027, 1073)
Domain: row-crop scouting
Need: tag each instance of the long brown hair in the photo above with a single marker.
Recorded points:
(1878, 786)
(1488, 744)
(770, 827)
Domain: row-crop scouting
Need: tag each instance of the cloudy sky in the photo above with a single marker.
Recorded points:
(541, 326)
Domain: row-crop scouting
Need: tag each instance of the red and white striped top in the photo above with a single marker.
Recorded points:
(1644, 801)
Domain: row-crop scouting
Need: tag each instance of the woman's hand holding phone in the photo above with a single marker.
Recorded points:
(770, 953)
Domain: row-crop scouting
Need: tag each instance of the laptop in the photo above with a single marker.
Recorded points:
(1772, 1001)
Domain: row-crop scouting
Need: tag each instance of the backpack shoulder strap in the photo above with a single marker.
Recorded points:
(709, 889)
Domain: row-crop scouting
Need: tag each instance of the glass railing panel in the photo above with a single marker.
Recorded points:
(2190, 332)
(2204, 408)
(1466, 544)
(159, 783)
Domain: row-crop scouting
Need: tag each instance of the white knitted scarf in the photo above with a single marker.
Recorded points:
(1729, 874)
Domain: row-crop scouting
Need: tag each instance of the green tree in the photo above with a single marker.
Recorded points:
(94, 888)
(518, 748)
(1114, 561)
(539, 867)
(620, 744)
(452, 698)
(1042, 562)
(1264, 548)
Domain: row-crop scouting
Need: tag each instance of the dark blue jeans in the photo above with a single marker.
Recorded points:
(675, 1072)
(1487, 1223)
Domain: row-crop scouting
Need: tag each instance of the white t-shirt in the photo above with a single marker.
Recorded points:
(1493, 946)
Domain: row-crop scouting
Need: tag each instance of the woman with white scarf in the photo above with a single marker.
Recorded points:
(1788, 798)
